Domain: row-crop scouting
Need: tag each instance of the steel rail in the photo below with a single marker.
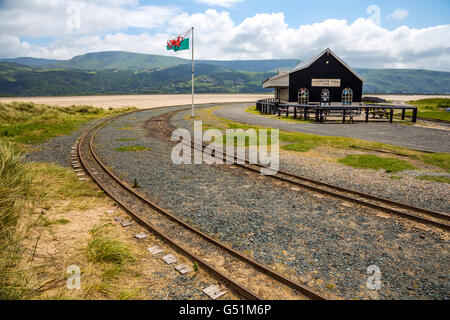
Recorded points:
(318, 186)
(245, 292)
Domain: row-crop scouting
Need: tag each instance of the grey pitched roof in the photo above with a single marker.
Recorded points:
(306, 64)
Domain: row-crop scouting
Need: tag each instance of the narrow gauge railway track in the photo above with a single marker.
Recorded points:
(420, 215)
(208, 252)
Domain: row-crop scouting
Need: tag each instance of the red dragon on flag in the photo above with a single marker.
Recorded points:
(181, 42)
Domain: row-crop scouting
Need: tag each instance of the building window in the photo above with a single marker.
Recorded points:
(303, 96)
(347, 96)
(325, 97)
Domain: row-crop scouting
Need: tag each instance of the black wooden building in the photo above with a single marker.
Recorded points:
(323, 80)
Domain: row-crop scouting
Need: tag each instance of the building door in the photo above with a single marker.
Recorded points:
(325, 97)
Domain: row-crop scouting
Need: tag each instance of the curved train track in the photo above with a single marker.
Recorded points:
(420, 215)
(239, 273)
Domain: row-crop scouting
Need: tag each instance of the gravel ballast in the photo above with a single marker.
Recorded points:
(320, 241)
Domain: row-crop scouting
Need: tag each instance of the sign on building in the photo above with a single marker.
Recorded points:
(326, 83)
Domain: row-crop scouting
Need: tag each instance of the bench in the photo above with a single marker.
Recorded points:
(379, 113)
(339, 113)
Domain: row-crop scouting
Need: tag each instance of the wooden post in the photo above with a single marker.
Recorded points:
(367, 115)
(414, 117)
(391, 115)
(287, 111)
(305, 113)
(193, 103)
(279, 111)
(343, 118)
(403, 114)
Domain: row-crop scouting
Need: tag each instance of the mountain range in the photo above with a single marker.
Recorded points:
(117, 72)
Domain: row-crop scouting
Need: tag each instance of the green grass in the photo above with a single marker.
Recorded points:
(434, 108)
(133, 149)
(240, 139)
(129, 139)
(56, 182)
(435, 179)
(304, 142)
(30, 123)
(104, 248)
(441, 160)
(299, 147)
(432, 103)
(437, 115)
(376, 163)
(253, 110)
(49, 222)
(15, 202)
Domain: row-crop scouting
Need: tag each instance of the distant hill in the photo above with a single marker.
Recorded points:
(406, 81)
(120, 60)
(255, 65)
(130, 73)
(31, 62)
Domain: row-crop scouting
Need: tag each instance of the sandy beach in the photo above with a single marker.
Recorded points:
(139, 101)
(154, 101)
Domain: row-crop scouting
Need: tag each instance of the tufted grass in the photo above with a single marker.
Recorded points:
(133, 149)
(15, 202)
(30, 123)
(376, 163)
(440, 179)
(104, 248)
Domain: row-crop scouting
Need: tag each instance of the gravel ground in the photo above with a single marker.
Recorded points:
(321, 241)
(57, 150)
(421, 193)
(392, 133)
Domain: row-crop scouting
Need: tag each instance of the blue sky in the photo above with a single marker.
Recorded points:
(421, 13)
(405, 34)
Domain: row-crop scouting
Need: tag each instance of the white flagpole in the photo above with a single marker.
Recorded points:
(193, 113)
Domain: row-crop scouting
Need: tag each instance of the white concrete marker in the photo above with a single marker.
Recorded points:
(155, 250)
(183, 269)
(214, 292)
(169, 259)
(126, 223)
(140, 236)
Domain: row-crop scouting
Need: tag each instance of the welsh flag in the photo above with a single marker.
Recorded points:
(181, 42)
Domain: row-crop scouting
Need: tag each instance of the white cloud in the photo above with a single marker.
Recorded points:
(361, 43)
(222, 3)
(51, 18)
(398, 14)
(263, 36)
